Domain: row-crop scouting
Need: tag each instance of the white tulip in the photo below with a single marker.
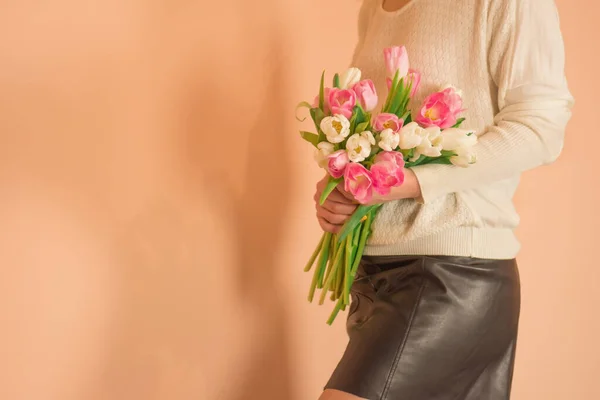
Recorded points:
(336, 128)
(389, 140)
(359, 146)
(453, 138)
(369, 136)
(430, 146)
(349, 78)
(464, 156)
(324, 149)
(410, 136)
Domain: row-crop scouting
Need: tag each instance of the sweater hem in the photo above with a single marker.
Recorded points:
(489, 243)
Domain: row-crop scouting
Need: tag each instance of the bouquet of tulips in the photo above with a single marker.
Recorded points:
(368, 153)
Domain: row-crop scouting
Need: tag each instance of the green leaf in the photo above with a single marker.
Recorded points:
(310, 137)
(359, 116)
(458, 122)
(317, 116)
(361, 127)
(448, 153)
(353, 122)
(367, 164)
(331, 185)
(398, 99)
(322, 91)
(405, 99)
(421, 160)
(406, 117)
(391, 92)
(438, 160)
(336, 81)
(300, 105)
(406, 96)
(355, 220)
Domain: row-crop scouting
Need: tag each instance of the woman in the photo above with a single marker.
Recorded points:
(435, 305)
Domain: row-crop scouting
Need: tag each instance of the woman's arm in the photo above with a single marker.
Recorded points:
(526, 61)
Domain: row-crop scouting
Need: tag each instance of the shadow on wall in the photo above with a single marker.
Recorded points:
(256, 216)
(201, 319)
(261, 226)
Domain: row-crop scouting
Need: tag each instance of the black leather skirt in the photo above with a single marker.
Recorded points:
(431, 328)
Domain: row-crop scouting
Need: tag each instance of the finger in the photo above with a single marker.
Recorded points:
(327, 227)
(340, 197)
(319, 191)
(335, 219)
(346, 195)
(322, 183)
(339, 208)
(333, 197)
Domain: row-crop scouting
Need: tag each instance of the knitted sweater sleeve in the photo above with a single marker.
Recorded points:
(526, 62)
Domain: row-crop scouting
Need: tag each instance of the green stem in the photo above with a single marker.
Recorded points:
(329, 280)
(324, 256)
(333, 257)
(333, 286)
(364, 234)
(313, 285)
(347, 268)
(339, 305)
(314, 255)
(340, 278)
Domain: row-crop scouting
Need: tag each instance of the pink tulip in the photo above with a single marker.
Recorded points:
(396, 59)
(392, 156)
(337, 162)
(454, 100)
(387, 171)
(342, 102)
(366, 94)
(387, 121)
(440, 109)
(359, 182)
(414, 76)
(315, 103)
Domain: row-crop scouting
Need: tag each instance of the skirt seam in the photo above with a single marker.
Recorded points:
(398, 355)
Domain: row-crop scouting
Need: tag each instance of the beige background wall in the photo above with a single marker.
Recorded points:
(140, 261)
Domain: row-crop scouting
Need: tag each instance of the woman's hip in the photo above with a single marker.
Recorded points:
(435, 325)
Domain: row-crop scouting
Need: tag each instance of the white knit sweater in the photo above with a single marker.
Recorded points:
(507, 56)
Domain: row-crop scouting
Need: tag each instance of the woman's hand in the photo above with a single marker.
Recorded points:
(337, 208)
(410, 189)
(340, 205)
